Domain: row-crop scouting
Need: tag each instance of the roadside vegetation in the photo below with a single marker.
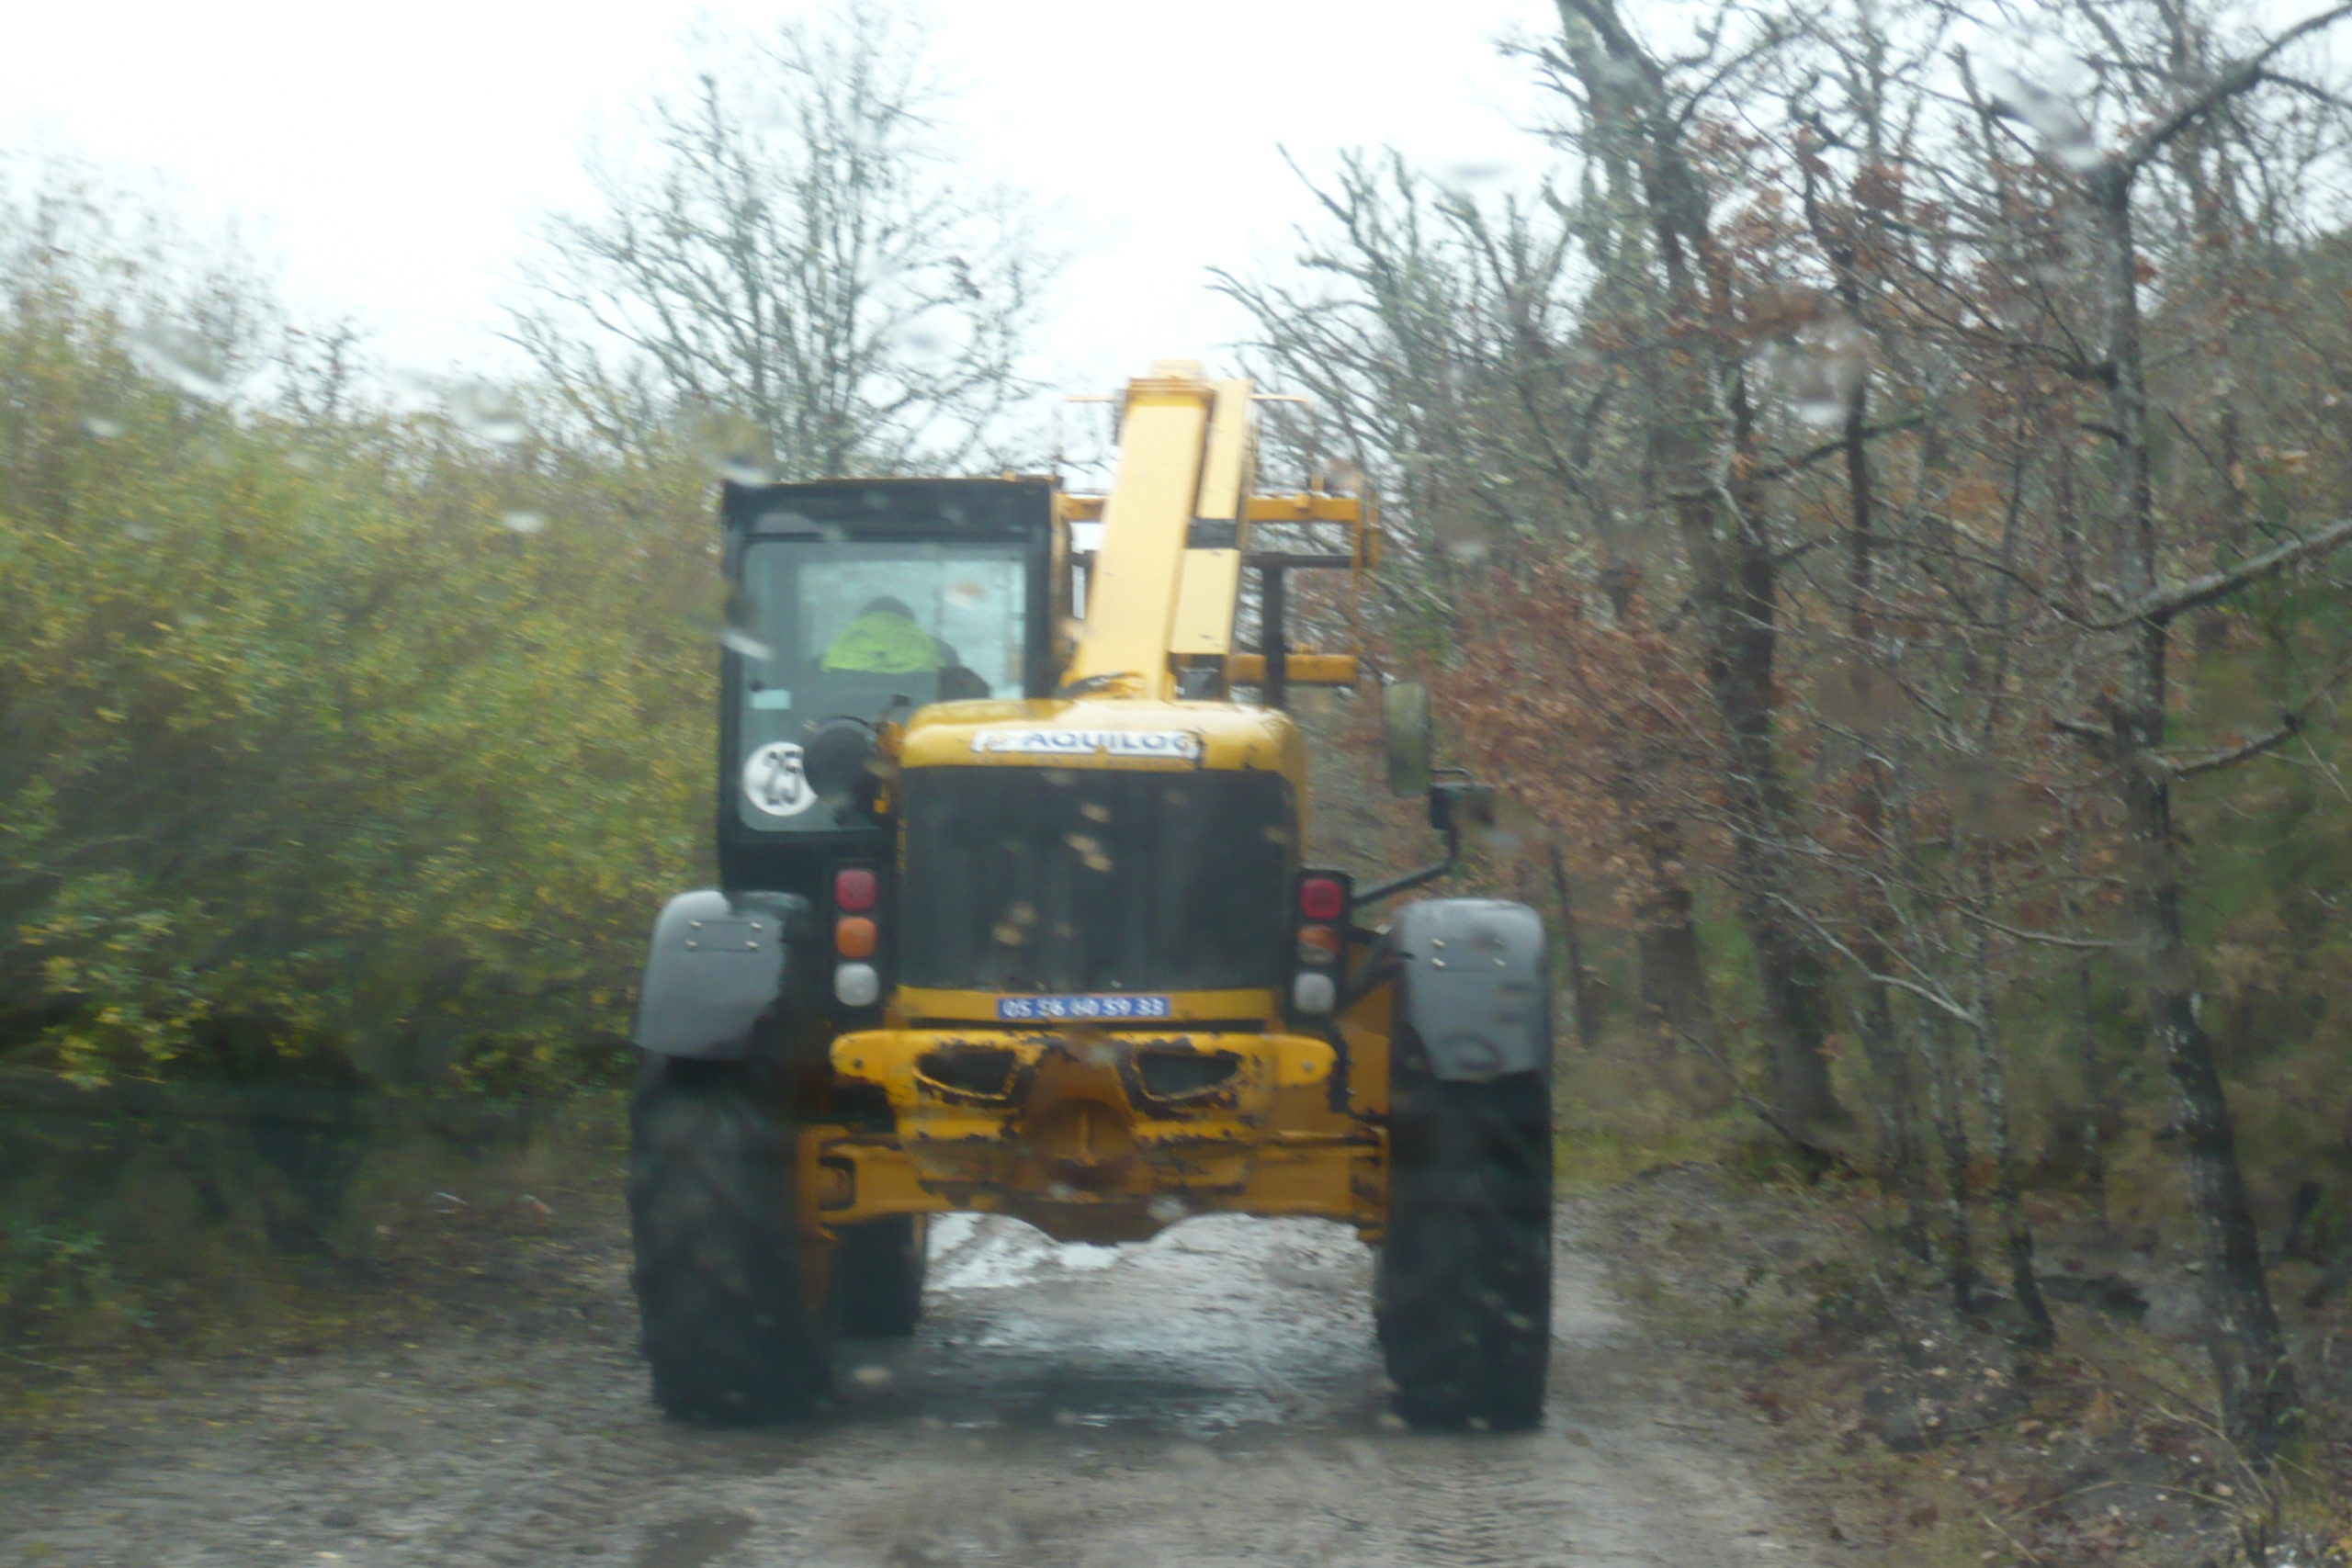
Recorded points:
(353, 726)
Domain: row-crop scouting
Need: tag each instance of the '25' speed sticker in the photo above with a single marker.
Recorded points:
(775, 782)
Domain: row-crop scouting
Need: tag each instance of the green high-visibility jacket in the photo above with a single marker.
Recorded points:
(883, 644)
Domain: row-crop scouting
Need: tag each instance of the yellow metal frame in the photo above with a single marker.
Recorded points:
(1161, 598)
(1077, 1141)
(1081, 1129)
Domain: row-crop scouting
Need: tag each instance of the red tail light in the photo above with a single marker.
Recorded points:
(1322, 897)
(855, 889)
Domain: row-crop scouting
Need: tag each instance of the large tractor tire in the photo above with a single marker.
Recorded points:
(879, 1270)
(1463, 1291)
(729, 1323)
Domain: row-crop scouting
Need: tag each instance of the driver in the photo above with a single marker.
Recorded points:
(884, 641)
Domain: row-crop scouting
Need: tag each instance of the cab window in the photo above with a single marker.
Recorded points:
(834, 629)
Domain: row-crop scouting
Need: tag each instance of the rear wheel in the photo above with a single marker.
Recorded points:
(1463, 1292)
(722, 1283)
(878, 1269)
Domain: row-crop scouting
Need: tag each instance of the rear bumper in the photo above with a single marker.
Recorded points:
(1098, 1134)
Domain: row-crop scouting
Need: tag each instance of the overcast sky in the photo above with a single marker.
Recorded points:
(390, 158)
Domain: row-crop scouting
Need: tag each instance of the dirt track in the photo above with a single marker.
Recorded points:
(1210, 1398)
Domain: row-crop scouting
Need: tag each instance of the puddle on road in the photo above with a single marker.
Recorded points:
(1217, 1324)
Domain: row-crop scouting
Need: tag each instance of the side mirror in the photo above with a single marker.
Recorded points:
(1405, 733)
(1457, 804)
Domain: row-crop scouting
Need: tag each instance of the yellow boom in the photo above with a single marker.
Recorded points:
(1176, 532)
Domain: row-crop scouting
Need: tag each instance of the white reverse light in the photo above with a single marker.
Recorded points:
(1312, 993)
(856, 985)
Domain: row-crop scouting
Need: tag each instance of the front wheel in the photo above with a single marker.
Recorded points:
(721, 1280)
(1463, 1289)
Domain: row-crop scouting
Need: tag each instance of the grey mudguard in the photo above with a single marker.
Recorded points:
(1474, 987)
(717, 964)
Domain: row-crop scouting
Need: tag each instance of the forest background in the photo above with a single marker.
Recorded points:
(1876, 512)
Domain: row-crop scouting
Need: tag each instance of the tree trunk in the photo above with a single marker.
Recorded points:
(1947, 1106)
(1584, 989)
(1703, 441)
(1735, 587)
(1991, 1084)
(2096, 1095)
(1673, 979)
(2259, 1406)
(1898, 1156)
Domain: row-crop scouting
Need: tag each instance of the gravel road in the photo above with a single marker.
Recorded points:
(1211, 1397)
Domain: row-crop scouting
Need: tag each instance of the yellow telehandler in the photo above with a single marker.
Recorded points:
(1014, 919)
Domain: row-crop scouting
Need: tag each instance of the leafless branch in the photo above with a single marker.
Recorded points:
(2163, 605)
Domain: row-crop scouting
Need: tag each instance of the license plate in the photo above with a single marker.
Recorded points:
(1034, 1009)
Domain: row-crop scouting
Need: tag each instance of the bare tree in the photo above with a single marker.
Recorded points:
(1637, 117)
(792, 262)
(2250, 1358)
(1935, 396)
(1444, 335)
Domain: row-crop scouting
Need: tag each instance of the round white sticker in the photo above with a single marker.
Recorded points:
(775, 782)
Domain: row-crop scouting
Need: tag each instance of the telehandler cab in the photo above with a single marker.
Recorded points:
(1014, 919)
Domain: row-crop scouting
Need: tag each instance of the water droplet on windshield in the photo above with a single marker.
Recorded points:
(487, 413)
(740, 631)
(1861, 695)
(1620, 74)
(731, 445)
(179, 356)
(1820, 407)
(1820, 371)
(522, 522)
(1471, 173)
(738, 640)
(2065, 134)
